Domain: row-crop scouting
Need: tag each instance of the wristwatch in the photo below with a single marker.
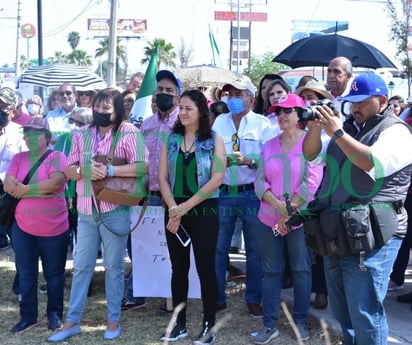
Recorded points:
(78, 170)
(338, 134)
(252, 164)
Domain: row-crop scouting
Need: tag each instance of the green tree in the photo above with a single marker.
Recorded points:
(121, 54)
(24, 62)
(259, 65)
(400, 14)
(166, 53)
(74, 39)
(184, 53)
(58, 57)
(79, 57)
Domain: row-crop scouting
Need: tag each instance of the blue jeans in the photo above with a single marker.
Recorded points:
(153, 201)
(244, 205)
(356, 296)
(52, 252)
(91, 233)
(273, 260)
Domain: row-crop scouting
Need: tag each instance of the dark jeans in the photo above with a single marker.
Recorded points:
(402, 259)
(202, 225)
(52, 252)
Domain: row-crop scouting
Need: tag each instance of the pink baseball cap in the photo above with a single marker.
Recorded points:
(289, 100)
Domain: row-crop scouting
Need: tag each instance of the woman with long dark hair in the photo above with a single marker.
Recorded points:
(191, 169)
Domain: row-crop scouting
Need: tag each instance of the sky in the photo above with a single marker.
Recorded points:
(187, 20)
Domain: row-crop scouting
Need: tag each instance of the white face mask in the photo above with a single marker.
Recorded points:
(33, 108)
(224, 99)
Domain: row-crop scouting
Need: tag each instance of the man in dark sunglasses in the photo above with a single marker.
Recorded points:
(59, 118)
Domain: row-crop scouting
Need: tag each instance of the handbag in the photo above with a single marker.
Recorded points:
(8, 203)
(126, 191)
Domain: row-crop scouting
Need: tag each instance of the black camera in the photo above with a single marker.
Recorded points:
(309, 113)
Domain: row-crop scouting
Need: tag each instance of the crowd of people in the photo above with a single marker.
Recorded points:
(312, 178)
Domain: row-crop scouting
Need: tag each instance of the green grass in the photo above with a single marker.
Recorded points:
(139, 328)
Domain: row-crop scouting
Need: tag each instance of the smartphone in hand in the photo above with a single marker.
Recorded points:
(183, 236)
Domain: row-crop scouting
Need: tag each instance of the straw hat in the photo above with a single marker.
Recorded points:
(314, 86)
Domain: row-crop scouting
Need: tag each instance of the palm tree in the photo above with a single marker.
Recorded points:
(166, 53)
(120, 52)
(73, 38)
(79, 57)
(58, 57)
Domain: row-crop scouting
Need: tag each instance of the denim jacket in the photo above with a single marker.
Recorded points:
(204, 153)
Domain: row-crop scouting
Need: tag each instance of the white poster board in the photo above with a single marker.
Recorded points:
(152, 270)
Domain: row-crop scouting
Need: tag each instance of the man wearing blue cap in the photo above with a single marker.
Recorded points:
(363, 220)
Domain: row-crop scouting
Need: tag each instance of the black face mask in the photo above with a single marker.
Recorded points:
(4, 118)
(164, 101)
(102, 119)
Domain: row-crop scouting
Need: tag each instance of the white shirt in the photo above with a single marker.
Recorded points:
(390, 151)
(254, 131)
(59, 121)
(11, 142)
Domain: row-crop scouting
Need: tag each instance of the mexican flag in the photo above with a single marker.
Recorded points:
(142, 106)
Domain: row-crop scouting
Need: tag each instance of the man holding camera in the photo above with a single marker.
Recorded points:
(366, 175)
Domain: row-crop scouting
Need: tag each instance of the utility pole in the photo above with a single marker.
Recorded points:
(17, 73)
(111, 68)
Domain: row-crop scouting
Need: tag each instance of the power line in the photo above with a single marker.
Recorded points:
(66, 25)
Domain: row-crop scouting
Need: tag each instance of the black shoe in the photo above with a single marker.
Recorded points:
(407, 298)
(23, 326)
(234, 250)
(55, 323)
(206, 336)
(179, 331)
(163, 310)
(43, 288)
(133, 304)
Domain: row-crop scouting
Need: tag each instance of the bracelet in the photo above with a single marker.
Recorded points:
(110, 170)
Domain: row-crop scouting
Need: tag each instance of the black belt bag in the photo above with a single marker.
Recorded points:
(352, 231)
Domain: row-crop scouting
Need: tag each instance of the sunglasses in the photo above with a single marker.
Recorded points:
(286, 111)
(84, 93)
(235, 140)
(67, 93)
(76, 122)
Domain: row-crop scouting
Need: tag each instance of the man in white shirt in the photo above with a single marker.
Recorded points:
(11, 142)
(244, 133)
(59, 118)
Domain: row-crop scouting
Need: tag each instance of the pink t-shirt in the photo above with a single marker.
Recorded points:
(45, 215)
(284, 173)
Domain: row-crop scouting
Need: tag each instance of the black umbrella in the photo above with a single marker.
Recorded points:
(320, 50)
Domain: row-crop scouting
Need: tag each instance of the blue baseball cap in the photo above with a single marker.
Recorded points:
(366, 85)
(165, 74)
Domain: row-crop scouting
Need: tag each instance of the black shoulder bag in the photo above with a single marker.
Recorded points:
(8, 203)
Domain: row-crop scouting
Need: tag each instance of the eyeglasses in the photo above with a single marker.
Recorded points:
(235, 140)
(67, 93)
(286, 111)
(76, 122)
(84, 93)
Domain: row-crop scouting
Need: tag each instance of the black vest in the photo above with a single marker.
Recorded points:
(343, 182)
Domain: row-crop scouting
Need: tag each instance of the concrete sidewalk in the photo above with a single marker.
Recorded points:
(399, 314)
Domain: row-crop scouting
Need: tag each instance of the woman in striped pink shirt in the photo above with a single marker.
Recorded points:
(90, 140)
